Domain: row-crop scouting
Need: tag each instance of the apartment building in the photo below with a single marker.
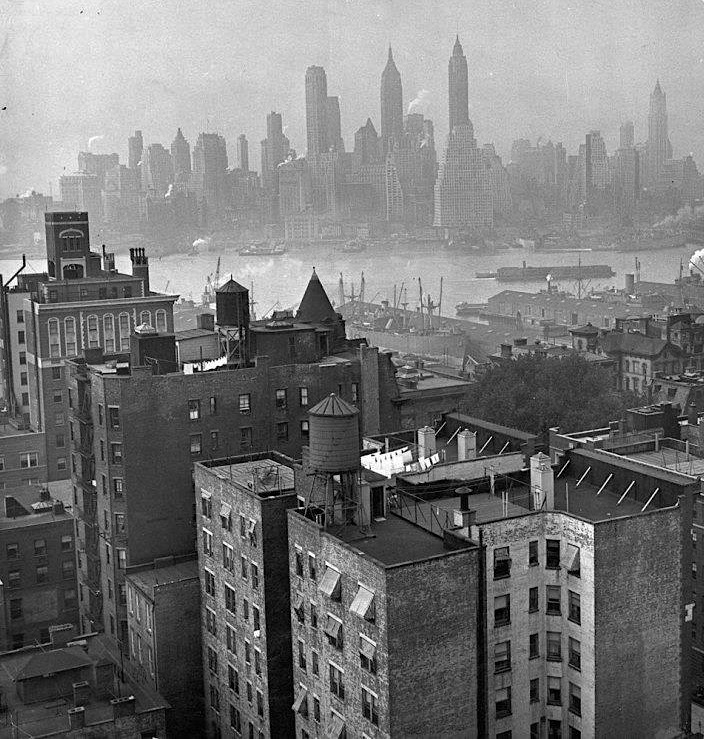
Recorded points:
(243, 562)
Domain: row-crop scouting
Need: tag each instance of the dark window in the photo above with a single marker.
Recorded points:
(575, 607)
(575, 699)
(554, 642)
(502, 563)
(305, 430)
(245, 437)
(533, 600)
(574, 657)
(114, 417)
(552, 606)
(554, 691)
(502, 610)
(533, 646)
(16, 608)
(535, 690)
(502, 656)
(213, 405)
(214, 440)
(194, 410)
(532, 553)
(281, 398)
(370, 706)
(282, 431)
(552, 554)
(503, 702)
(303, 396)
(245, 403)
(55, 373)
(196, 443)
(116, 451)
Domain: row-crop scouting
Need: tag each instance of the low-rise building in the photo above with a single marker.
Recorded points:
(37, 564)
(163, 624)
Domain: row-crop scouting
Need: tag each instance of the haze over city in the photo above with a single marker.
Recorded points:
(76, 71)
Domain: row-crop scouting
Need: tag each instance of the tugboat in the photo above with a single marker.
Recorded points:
(263, 249)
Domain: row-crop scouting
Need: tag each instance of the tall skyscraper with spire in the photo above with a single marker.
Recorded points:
(391, 103)
(458, 83)
(181, 158)
(659, 147)
(317, 110)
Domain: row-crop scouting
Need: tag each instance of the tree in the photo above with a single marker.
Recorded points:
(534, 393)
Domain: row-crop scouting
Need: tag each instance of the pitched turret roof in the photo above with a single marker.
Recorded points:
(315, 305)
(333, 406)
(231, 287)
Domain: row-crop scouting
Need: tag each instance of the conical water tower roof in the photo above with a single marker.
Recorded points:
(231, 287)
(333, 406)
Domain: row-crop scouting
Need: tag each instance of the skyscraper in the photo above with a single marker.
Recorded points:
(391, 103)
(316, 110)
(243, 153)
(275, 148)
(209, 173)
(366, 143)
(458, 87)
(157, 170)
(659, 147)
(181, 157)
(627, 137)
(135, 145)
(334, 128)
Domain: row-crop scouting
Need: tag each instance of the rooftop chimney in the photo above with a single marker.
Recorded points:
(506, 351)
(426, 442)
(542, 482)
(77, 717)
(692, 415)
(466, 445)
(140, 266)
(464, 518)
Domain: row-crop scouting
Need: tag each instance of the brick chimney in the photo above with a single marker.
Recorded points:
(140, 266)
(466, 445)
(426, 442)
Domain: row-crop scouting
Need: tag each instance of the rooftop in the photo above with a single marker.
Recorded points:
(37, 511)
(264, 477)
(151, 578)
(193, 333)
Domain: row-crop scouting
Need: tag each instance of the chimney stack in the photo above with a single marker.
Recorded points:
(466, 445)
(464, 518)
(426, 442)
(692, 415)
(542, 482)
(506, 351)
(140, 266)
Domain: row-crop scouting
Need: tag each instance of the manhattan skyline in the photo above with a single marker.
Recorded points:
(532, 72)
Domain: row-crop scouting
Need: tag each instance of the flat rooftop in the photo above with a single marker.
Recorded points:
(264, 477)
(38, 511)
(392, 541)
(51, 716)
(148, 579)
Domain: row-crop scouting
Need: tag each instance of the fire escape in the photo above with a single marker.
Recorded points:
(84, 478)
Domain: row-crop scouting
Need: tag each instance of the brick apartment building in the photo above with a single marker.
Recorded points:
(139, 423)
(243, 562)
(37, 565)
(82, 303)
(163, 624)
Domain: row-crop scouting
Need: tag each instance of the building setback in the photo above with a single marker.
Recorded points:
(243, 562)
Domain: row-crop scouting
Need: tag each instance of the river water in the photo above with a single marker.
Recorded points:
(279, 282)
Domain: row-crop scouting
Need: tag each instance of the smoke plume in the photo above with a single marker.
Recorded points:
(683, 215)
(416, 105)
(93, 139)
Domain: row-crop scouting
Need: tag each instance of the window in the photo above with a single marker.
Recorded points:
(575, 607)
(15, 608)
(333, 631)
(245, 404)
(209, 578)
(245, 437)
(215, 698)
(575, 733)
(117, 487)
(256, 619)
(61, 463)
(337, 685)
(93, 334)
(502, 610)
(535, 690)
(254, 572)
(102, 450)
(572, 560)
(59, 419)
(161, 320)
(303, 396)
(245, 609)
(330, 584)
(12, 551)
(533, 646)
(211, 621)
(302, 654)
(281, 398)
(60, 441)
(312, 571)
(206, 504)
(54, 337)
(299, 563)
(116, 452)
(305, 429)
(121, 559)
(370, 706)
(194, 410)
(145, 317)
(123, 322)
(108, 333)
(42, 573)
(67, 543)
(40, 547)
(13, 579)
(29, 459)
(355, 392)
(502, 656)
(207, 542)
(257, 661)
(23, 358)
(532, 600)
(230, 599)
(114, 417)
(502, 563)
(230, 639)
(313, 615)
(554, 691)
(367, 654)
(226, 517)
(248, 658)
(20, 337)
(212, 660)
(282, 431)
(554, 641)
(503, 702)
(244, 562)
(553, 600)
(120, 527)
(196, 443)
(260, 704)
(68, 569)
(574, 658)
(532, 553)
(315, 666)
(20, 316)
(228, 557)
(23, 378)
(70, 598)
(233, 679)
(575, 699)
(552, 554)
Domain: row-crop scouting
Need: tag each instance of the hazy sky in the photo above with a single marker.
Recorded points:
(70, 70)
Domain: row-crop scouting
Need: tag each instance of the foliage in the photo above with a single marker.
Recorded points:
(535, 393)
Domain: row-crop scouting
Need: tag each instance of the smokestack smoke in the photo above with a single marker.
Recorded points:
(416, 105)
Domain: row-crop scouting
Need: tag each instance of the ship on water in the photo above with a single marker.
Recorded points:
(526, 272)
(263, 249)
